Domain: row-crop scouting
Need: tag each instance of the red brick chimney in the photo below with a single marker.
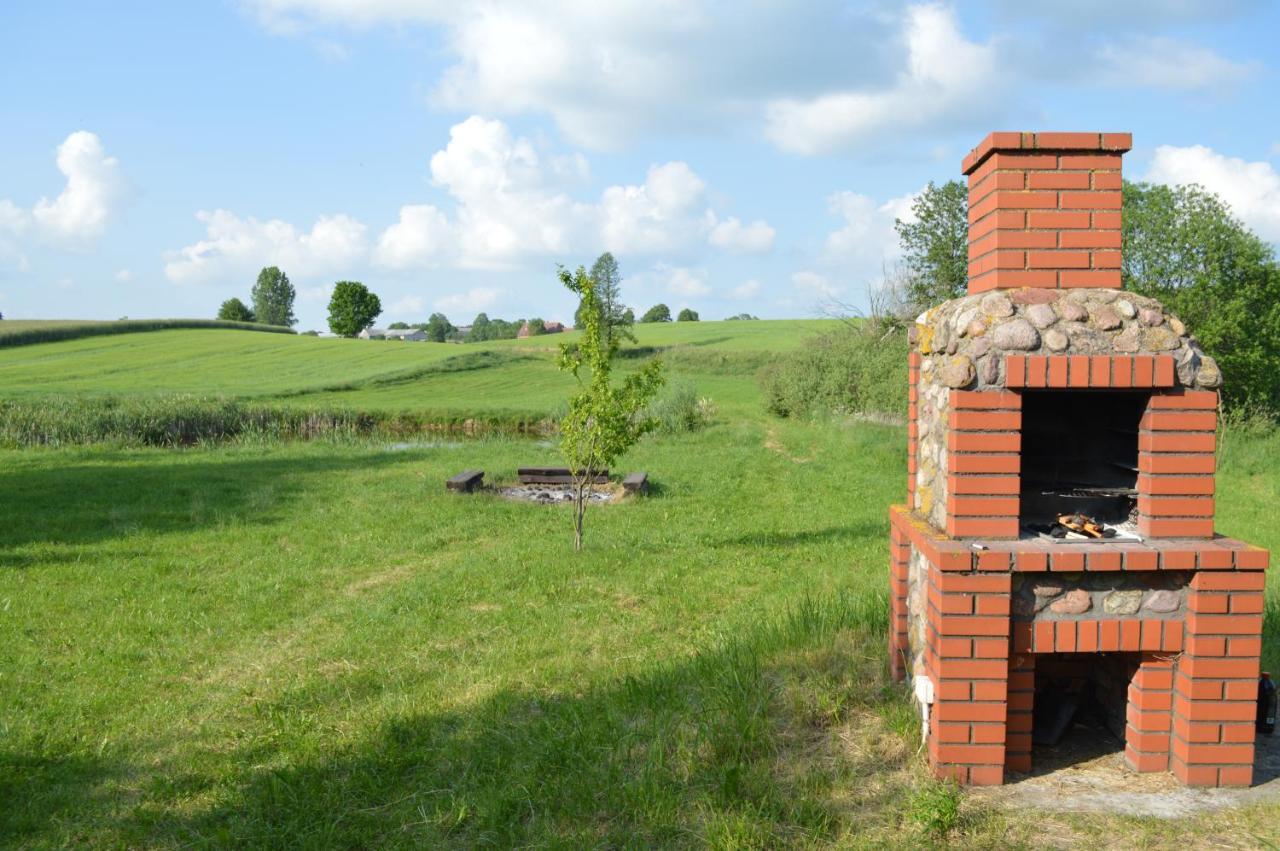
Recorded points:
(1044, 210)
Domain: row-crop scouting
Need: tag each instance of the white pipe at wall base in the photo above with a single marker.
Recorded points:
(924, 696)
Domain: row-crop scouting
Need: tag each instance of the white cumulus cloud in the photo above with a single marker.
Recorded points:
(947, 80)
(474, 300)
(410, 305)
(665, 213)
(815, 284)
(732, 235)
(688, 283)
(511, 202)
(1251, 188)
(746, 290)
(1164, 63)
(233, 245)
(77, 218)
(79, 215)
(422, 237)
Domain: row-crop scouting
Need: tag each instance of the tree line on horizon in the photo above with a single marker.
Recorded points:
(353, 309)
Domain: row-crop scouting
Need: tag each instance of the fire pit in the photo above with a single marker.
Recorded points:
(1048, 393)
(550, 494)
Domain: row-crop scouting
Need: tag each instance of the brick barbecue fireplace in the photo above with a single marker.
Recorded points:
(1048, 391)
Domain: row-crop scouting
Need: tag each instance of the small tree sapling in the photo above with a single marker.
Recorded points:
(604, 419)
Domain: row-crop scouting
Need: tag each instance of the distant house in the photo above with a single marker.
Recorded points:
(416, 335)
(547, 328)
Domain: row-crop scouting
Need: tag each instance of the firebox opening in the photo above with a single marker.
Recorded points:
(1080, 454)
(1080, 704)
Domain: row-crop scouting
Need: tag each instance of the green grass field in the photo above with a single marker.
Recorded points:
(264, 644)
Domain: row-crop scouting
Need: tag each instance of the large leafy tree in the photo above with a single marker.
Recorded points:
(688, 314)
(273, 298)
(352, 308)
(1183, 246)
(935, 243)
(235, 310)
(605, 418)
(615, 315)
(439, 328)
(657, 313)
(480, 328)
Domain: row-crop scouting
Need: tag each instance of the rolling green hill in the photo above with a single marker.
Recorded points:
(26, 332)
(372, 375)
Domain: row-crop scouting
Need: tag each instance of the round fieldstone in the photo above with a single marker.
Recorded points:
(957, 372)
(1151, 316)
(1072, 311)
(1159, 339)
(1163, 602)
(997, 305)
(927, 366)
(1106, 319)
(953, 347)
(976, 328)
(1055, 340)
(1175, 325)
(1016, 334)
(1122, 602)
(989, 370)
(1041, 315)
(1208, 375)
(1104, 296)
(1125, 308)
(962, 320)
(979, 347)
(1077, 601)
(1188, 365)
(1048, 588)
(1128, 340)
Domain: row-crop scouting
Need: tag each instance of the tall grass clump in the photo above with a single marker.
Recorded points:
(856, 369)
(21, 333)
(679, 409)
(171, 421)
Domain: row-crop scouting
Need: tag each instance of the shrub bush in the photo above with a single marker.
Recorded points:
(679, 409)
(856, 369)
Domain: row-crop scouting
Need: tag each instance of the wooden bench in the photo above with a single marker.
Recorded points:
(556, 476)
(636, 483)
(466, 481)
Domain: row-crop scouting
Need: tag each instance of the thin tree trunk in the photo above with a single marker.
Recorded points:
(579, 509)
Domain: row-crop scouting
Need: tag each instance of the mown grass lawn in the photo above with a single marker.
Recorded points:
(313, 645)
(317, 642)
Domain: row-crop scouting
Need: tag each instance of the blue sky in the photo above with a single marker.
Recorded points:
(744, 156)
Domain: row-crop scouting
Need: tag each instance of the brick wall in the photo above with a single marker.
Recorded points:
(1176, 464)
(1044, 210)
(1190, 687)
(983, 443)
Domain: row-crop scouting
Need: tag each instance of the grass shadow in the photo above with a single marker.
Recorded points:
(114, 495)
(853, 533)
(747, 744)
